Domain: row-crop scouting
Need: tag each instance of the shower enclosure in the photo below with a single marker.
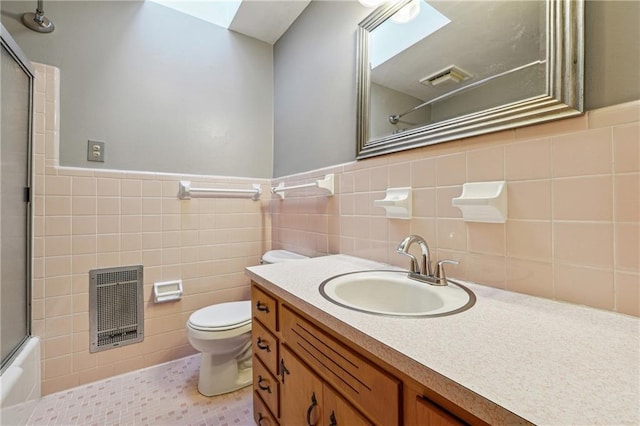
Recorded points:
(15, 207)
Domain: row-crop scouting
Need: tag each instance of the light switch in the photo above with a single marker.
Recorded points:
(95, 151)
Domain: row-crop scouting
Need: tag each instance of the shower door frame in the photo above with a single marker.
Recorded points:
(21, 59)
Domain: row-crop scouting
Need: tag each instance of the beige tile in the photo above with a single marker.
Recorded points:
(489, 139)
(423, 173)
(108, 243)
(108, 205)
(627, 293)
(151, 223)
(487, 270)
(108, 187)
(583, 153)
(529, 200)
(444, 195)
(80, 303)
(58, 326)
(57, 306)
(57, 367)
(584, 286)
(84, 206)
(131, 188)
(627, 246)
(152, 206)
(57, 266)
(108, 260)
(57, 286)
(57, 246)
(451, 169)
(131, 242)
(615, 115)
(424, 202)
(361, 180)
(83, 225)
(131, 205)
(57, 205)
(58, 185)
(627, 197)
(530, 277)
(151, 188)
(84, 244)
(485, 165)
(130, 224)
(83, 263)
(486, 238)
(59, 384)
(528, 160)
(529, 239)
(83, 360)
(626, 148)
(451, 234)
(399, 175)
(585, 198)
(426, 228)
(57, 226)
(557, 127)
(586, 244)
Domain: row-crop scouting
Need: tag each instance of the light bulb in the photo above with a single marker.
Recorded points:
(407, 13)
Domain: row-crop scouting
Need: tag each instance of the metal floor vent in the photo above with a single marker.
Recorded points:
(116, 315)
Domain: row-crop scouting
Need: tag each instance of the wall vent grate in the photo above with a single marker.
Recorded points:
(115, 307)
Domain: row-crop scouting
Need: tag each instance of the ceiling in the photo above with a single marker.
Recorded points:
(266, 20)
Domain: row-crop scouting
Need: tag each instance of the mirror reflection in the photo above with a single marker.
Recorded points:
(432, 71)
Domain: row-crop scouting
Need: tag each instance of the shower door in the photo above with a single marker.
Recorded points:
(15, 209)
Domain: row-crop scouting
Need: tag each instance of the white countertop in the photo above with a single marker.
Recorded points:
(544, 361)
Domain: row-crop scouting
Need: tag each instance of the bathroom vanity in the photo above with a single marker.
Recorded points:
(510, 359)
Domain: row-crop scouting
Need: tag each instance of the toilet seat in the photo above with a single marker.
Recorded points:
(221, 317)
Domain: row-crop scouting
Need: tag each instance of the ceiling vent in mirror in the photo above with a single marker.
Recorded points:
(451, 74)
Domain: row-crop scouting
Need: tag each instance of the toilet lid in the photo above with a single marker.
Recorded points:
(223, 316)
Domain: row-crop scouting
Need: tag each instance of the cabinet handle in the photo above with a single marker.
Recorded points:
(332, 419)
(314, 402)
(283, 370)
(262, 346)
(262, 307)
(263, 387)
(261, 418)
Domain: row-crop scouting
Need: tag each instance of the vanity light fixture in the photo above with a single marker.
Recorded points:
(407, 13)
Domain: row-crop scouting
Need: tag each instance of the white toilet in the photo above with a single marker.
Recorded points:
(222, 333)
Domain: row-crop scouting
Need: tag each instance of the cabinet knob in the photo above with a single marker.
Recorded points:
(263, 387)
(332, 419)
(262, 346)
(283, 370)
(261, 418)
(314, 403)
(262, 307)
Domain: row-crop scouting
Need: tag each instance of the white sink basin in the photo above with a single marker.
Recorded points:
(393, 293)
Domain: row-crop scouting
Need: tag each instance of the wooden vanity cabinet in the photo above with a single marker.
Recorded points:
(304, 375)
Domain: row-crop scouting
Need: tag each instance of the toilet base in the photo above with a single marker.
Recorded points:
(217, 379)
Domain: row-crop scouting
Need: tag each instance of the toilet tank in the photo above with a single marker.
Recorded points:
(277, 256)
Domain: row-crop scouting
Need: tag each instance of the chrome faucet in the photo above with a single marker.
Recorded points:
(422, 271)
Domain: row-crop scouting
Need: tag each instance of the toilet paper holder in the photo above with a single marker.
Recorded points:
(167, 291)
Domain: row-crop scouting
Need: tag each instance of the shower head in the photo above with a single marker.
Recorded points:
(37, 21)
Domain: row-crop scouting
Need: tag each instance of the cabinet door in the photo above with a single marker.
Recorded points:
(300, 392)
(337, 412)
(429, 414)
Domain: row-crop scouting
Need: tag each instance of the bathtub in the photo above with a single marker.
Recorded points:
(20, 385)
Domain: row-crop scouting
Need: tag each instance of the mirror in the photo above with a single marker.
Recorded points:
(460, 69)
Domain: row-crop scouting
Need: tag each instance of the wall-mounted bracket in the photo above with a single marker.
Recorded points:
(483, 202)
(397, 203)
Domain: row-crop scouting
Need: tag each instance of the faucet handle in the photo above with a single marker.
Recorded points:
(440, 275)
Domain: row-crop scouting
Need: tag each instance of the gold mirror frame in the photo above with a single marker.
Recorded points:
(564, 97)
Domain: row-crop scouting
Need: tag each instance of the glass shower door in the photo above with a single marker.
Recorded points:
(15, 116)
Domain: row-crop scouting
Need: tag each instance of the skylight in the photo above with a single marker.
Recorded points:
(217, 12)
(391, 38)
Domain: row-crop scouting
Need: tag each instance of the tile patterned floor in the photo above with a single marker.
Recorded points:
(159, 395)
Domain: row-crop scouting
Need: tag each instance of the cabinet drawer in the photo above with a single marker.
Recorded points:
(427, 413)
(266, 386)
(265, 346)
(264, 308)
(362, 383)
(261, 413)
